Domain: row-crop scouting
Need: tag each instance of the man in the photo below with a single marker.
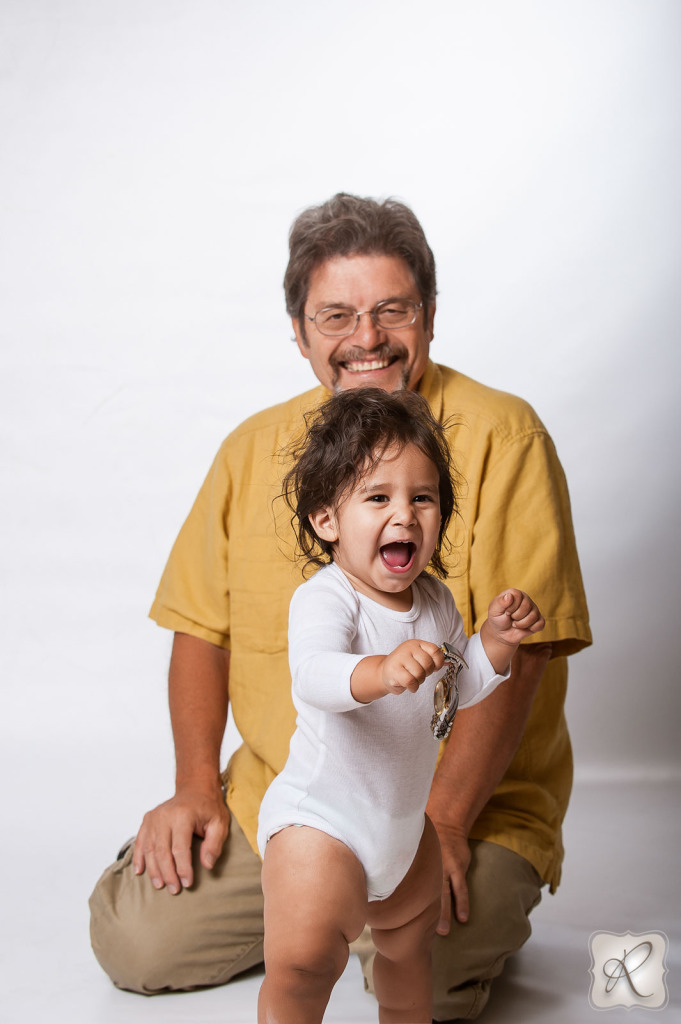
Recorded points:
(360, 289)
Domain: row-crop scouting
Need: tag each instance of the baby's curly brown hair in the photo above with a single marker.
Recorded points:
(344, 439)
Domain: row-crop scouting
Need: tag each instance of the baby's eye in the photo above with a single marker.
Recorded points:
(378, 497)
(423, 497)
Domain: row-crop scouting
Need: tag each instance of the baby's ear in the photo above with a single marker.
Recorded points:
(324, 525)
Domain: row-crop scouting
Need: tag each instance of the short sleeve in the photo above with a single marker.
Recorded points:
(523, 537)
(193, 595)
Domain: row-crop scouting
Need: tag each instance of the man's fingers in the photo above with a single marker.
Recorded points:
(165, 862)
(165, 855)
(154, 870)
(460, 893)
(454, 889)
(445, 909)
(147, 856)
(138, 861)
(163, 848)
(214, 840)
(182, 855)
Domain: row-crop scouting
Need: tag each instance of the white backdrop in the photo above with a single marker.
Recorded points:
(152, 156)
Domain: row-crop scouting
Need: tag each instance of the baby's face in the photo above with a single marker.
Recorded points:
(386, 530)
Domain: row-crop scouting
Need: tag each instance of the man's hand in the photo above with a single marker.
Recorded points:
(483, 740)
(163, 844)
(198, 693)
(409, 665)
(456, 857)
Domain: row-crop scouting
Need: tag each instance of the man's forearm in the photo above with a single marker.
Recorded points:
(198, 694)
(198, 697)
(483, 741)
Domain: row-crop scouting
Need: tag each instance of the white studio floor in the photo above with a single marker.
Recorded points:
(622, 873)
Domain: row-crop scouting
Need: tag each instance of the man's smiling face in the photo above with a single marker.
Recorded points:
(372, 356)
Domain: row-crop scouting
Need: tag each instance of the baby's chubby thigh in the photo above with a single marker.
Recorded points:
(408, 917)
(315, 899)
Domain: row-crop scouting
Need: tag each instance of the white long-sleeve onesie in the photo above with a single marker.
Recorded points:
(362, 772)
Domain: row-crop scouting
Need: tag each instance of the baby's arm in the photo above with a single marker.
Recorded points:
(512, 616)
(404, 669)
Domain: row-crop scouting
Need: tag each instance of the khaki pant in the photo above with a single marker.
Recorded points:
(149, 941)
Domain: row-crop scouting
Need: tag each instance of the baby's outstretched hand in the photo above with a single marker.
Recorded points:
(513, 616)
(410, 664)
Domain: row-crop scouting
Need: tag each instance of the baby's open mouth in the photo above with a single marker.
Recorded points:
(399, 555)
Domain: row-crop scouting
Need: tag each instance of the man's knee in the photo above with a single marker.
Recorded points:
(149, 941)
(135, 942)
(503, 889)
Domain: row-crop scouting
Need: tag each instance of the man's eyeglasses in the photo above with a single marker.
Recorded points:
(340, 321)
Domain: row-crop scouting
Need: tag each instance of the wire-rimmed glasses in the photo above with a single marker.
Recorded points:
(390, 314)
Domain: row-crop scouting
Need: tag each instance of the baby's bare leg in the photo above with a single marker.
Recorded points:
(403, 928)
(315, 905)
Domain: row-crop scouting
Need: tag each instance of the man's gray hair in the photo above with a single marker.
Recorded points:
(348, 225)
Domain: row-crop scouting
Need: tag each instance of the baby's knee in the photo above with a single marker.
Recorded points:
(308, 963)
(412, 938)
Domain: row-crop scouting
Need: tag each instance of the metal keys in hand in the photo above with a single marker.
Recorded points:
(446, 698)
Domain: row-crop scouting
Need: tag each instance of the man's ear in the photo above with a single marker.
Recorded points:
(301, 340)
(430, 323)
(324, 525)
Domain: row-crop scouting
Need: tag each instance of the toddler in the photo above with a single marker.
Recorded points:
(342, 830)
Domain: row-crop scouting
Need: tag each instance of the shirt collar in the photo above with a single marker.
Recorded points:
(431, 387)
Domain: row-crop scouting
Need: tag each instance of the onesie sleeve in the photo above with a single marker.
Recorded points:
(478, 680)
(322, 626)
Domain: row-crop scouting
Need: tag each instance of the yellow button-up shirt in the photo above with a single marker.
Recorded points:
(232, 571)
